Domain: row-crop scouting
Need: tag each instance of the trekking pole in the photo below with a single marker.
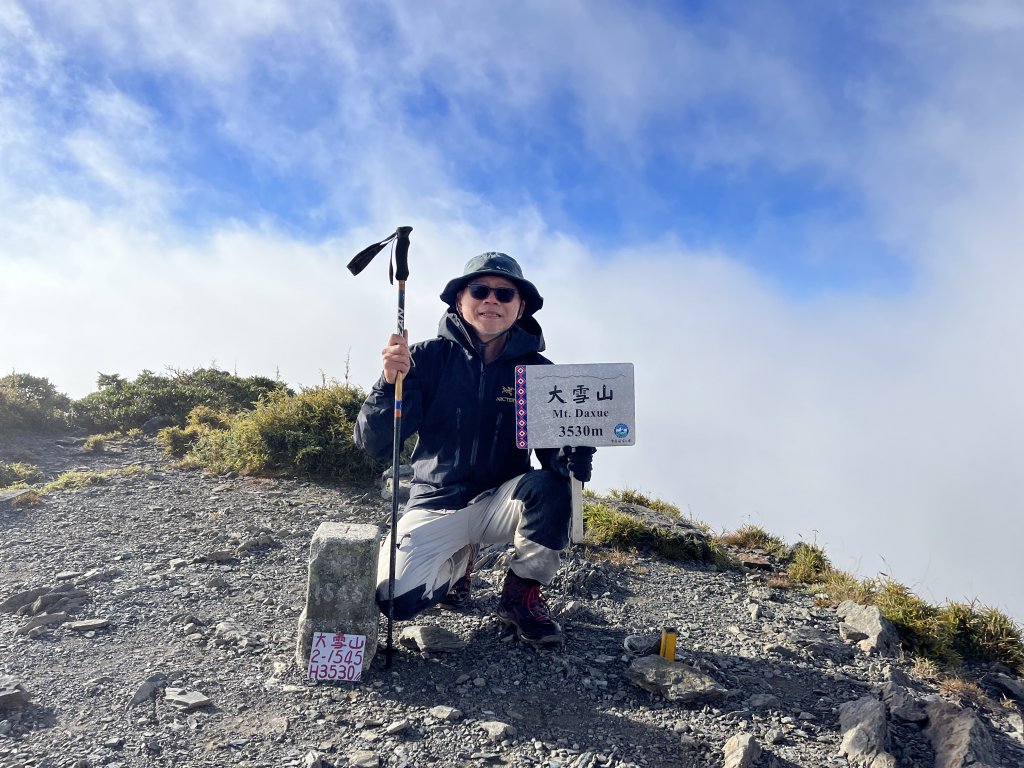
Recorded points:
(399, 272)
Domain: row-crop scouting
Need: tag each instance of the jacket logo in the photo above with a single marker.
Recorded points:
(507, 395)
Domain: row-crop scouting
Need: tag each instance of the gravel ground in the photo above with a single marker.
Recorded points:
(194, 584)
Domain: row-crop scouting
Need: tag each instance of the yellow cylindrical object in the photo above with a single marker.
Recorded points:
(668, 643)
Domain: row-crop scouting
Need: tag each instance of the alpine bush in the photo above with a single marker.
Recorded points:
(308, 434)
(120, 404)
(31, 403)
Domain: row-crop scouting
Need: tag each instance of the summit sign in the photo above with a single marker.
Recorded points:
(559, 405)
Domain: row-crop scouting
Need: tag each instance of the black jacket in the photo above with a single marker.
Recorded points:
(463, 412)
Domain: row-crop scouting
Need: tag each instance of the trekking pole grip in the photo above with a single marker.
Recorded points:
(402, 253)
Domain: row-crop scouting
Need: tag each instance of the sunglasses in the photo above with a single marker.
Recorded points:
(479, 291)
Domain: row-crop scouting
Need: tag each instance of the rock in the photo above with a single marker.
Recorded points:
(42, 620)
(363, 758)
(817, 643)
(404, 483)
(428, 638)
(397, 727)
(866, 626)
(449, 714)
(184, 699)
(674, 680)
(228, 631)
(901, 704)
(741, 751)
(23, 598)
(763, 701)
(865, 733)
(497, 730)
(145, 691)
(99, 574)
(958, 737)
(255, 542)
(341, 587)
(1016, 723)
(11, 495)
(754, 561)
(88, 625)
(1010, 685)
(13, 695)
(216, 556)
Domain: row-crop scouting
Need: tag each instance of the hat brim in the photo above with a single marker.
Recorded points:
(534, 301)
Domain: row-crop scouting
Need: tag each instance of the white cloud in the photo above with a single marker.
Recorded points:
(889, 425)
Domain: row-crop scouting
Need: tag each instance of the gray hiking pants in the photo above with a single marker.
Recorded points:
(531, 512)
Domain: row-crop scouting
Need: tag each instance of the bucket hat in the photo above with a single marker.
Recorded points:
(500, 265)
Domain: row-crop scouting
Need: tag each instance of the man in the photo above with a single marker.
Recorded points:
(471, 485)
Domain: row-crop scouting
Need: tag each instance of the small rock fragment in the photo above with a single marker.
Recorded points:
(185, 699)
(741, 751)
(88, 625)
(674, 680)
(428, 638)
(364, 758)
(449, 714)
(497, 730)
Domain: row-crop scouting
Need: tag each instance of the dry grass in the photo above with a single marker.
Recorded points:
(70, 481)
(18, 474)
(756, 537)
(966, 692)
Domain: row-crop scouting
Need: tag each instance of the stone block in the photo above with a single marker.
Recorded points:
(341, 587)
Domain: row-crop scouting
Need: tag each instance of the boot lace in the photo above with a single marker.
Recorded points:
(536, 604)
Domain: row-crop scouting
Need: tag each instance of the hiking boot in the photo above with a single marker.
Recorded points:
(458, 596)
(523, 606)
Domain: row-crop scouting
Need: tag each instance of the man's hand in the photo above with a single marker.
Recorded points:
(396, 357)
(580, 461)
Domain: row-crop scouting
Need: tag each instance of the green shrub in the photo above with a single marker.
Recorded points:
(977, 633)
(307, 434)
(178, 441)
(914, 619)
(841, 585)
(809, 564)
(205, 417)
(17, 472)
(95, 444)
(31, 403)
(608, 527)
(121, 404)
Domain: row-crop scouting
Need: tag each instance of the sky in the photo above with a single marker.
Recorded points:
(799, 221)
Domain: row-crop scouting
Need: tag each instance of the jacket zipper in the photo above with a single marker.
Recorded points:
(458, 432)
(497, 431)
(479, 412)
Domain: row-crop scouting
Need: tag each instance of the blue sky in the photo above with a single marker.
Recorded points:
(799, 222)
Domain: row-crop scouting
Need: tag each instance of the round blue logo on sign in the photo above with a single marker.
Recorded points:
(621, 430)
